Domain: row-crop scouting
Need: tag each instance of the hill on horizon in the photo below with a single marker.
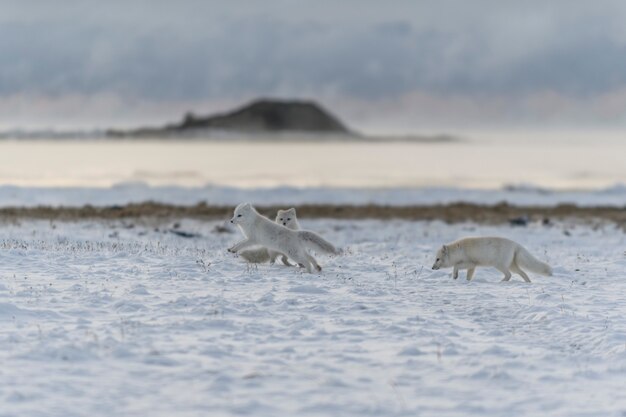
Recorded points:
(259, 116)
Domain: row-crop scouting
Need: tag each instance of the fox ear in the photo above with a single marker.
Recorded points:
(444, 249)
(292, 210)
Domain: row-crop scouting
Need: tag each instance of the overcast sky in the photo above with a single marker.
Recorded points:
(396, 66)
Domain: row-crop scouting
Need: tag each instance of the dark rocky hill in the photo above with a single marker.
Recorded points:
(261, 116)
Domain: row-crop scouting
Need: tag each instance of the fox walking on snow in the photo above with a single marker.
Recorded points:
(288, 219)
(261, 231)
(503, 254)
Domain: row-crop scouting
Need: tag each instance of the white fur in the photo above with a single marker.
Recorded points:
(288, 219)
(503, 254)
(261, 231)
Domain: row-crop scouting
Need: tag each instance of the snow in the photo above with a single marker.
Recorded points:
(128, 319)
(124, 193)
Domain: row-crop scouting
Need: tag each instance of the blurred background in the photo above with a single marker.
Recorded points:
(481, 94)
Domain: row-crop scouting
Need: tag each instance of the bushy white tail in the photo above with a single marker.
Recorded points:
(526, 261)
(316, 242)
(255, 256)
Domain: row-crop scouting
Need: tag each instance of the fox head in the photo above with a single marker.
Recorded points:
(443, 257)
(287, 218)
(244, 213)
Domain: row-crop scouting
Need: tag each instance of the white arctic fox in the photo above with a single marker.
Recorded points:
(503, 254)
(288, 219)
(261, 231)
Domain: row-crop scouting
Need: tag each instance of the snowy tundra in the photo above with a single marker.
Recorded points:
(131, 319)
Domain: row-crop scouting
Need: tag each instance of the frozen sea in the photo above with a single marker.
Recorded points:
(486, 168)
(477, 160)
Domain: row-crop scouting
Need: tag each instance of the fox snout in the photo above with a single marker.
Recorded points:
(435, 267)
(284, 224)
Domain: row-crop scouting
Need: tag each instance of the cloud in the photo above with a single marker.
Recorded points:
(426, 111)
(101, 111)
(453, 52)
(412, 112)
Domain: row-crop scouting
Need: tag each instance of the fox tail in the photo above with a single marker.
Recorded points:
(525, 260)
(317, 243)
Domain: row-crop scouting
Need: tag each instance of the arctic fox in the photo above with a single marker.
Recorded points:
(261, 231)
(260, 255)
(503, 254)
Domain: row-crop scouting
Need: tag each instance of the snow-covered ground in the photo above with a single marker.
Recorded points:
(129, 319)
(221, 195)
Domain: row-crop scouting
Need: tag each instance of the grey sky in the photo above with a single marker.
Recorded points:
(380, 65)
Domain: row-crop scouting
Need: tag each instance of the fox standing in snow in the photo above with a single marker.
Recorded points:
(503, 254)
(261, 231)
(260, 255)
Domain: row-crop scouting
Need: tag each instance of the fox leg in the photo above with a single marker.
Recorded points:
(313, 262)
(300, 257)
(519, 271)
(308, 267)
(455, 272)
(470, 273)
(505, 271)
(285, 260)
(241, 245)
(273, 256)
